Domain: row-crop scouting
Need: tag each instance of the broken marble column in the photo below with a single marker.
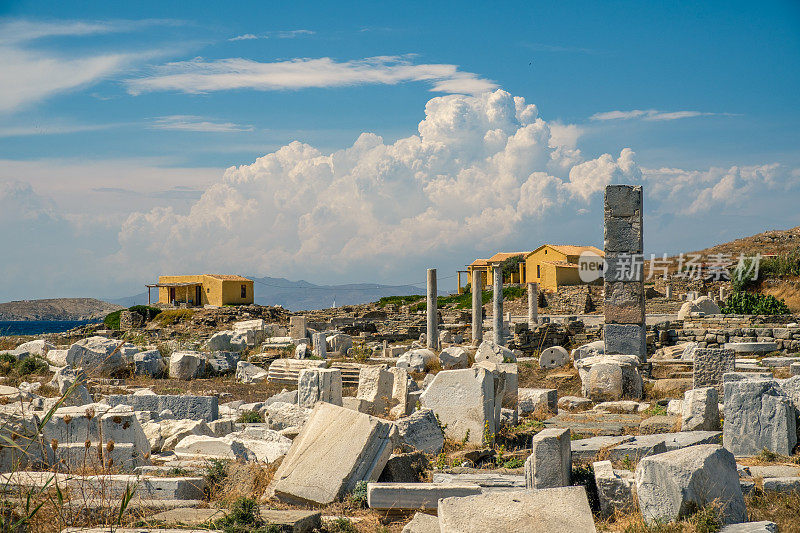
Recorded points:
(320, 344)
(401, 406)
(497, 306)
(319, 385)
(432, 336)
(668, 292)
(533, 305)
(550, 463)
(477, 307)
(624, 330)
(375, 385)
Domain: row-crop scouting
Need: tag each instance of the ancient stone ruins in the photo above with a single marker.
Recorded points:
(427, 419)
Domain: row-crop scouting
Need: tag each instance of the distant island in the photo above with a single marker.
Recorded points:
(56, 309)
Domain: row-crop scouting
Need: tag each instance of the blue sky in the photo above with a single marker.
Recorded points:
(117, 122)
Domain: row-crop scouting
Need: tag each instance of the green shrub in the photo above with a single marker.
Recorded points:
(243, 516)
(781, 265)
(514, 462)
(359, 495)
(753, 303)
(111, 320)
(399, 300)
(512, 293)
(784, 265)
(250, 417)
(510, 265)
(7, 362)
(341, 525)
(149, 313)
(31, 365)
(216, 470)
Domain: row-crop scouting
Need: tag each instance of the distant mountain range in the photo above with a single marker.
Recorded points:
(304, 296)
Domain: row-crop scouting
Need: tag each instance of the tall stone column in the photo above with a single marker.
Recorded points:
(497, 305)
(433, 334)
(477, 307)
(624, 330)
(320, 345)
(668, 291)
(533, 304)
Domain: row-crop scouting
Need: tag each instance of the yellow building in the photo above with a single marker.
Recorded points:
(552, 265)
(203, 289)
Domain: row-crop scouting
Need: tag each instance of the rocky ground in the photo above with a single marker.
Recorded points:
(232, 419)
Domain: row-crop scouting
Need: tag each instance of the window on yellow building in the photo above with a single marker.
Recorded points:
(244, 291)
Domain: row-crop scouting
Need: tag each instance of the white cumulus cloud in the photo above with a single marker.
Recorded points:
(482, 170)
(692, 192)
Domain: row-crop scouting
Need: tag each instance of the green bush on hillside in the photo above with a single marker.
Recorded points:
(399, 300)
(111, 320)
(24, 367)
(751, 303)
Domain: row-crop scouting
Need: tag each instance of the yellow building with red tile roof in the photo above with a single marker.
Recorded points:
(554, 265)
(204, 289)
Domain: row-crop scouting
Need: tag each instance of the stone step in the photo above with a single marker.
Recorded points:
(136, 504)
(295, 520)
(414, 496)
(160, 488)
(287, 371)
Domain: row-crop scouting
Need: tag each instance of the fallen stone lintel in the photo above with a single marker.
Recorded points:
(487, 482)
(414, 495)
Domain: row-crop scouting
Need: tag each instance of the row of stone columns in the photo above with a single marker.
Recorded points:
(432, 336)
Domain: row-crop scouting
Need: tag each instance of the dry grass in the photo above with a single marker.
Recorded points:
(225, 386)
(767, 457)
(172, 316)
(565, 379)
(245, 480)
(786, 290)
(9, 342)
(781, 508)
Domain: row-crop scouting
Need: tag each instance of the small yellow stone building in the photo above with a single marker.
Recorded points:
(203, 289)
(553, 265)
